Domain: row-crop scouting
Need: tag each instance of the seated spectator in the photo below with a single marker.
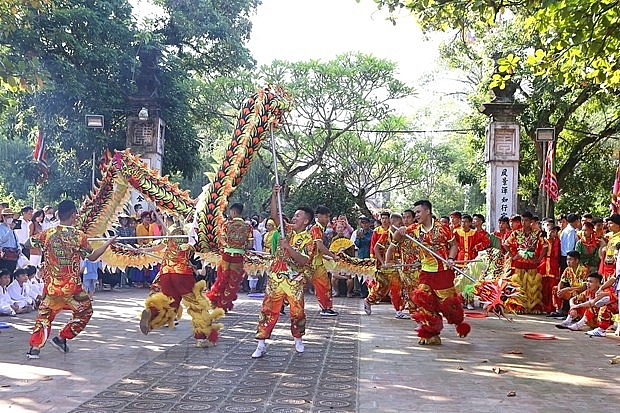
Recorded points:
(7, 305)
(18, 291)
(591, 308)
(34, 285)
(571, 282)
(109, 278)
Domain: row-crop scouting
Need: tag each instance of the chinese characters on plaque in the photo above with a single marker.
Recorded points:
(504, 191)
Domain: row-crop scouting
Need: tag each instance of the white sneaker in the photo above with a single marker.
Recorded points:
(597, 332)
(576, 326)
(261, 349)
(400, 315)
(564, 324)
(299, 345)
(202, 343)
(470, 306)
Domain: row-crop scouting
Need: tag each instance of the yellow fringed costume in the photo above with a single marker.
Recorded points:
(178, 284)
(160, 311)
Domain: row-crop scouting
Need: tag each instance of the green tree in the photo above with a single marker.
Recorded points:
(379, 162)
(90, 52)
(331, 98)
(333, 102)
(532, 42)
(322, 188)
(209, 36)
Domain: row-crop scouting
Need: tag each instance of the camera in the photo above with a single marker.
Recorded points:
(17, 224)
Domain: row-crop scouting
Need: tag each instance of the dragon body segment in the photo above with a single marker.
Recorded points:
(127, 171)
(258, 113)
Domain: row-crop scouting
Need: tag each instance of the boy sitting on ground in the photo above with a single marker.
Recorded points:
(588, 308)
(571, 283)
(7, 305)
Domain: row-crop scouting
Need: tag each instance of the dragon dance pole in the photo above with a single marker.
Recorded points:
(434, 254)
(142, 237)
(275, 173)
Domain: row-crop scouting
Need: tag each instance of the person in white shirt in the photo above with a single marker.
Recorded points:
(18, 291)
(7, 305)
(50, 219)
(22, 229)
(258, 238)
(34, 285)
(262, 224)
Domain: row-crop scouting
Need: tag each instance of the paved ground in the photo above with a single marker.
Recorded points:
(352, 363)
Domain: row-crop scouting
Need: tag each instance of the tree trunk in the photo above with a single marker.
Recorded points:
(360, 201)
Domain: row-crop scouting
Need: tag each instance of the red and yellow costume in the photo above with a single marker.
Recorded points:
(177, 282)
(386, 279)
(410, 272)
(571, 277)
(319, 278)
(376, 234)
(598, 316)
(287, 281)
(607, 267)
(549, 271)
(63, 248)
(235, 236)
(522, 247)
(465, 241)
(435, 295)
(501, 237)
(482, 241)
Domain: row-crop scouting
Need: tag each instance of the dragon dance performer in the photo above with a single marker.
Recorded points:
(319, 279)
(408, 252)
(176, 283)
(465, 237)
(523, 245)
(387, 279)
(235, 236)
(63, 247)
(287, 276)
(435, 295)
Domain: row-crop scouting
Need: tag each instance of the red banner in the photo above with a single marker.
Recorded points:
(549, 182)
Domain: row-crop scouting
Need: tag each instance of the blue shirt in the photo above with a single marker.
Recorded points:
(7, 237)
(568, 240)
(91, 268)
(363, 244)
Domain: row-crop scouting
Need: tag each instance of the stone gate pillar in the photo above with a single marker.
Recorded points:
(145, 137)
(145, 128)
(502, 159)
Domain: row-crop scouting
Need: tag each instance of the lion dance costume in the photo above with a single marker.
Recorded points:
(177, 283)
(435, 295)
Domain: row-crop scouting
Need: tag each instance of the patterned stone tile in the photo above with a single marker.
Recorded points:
(225, 378)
